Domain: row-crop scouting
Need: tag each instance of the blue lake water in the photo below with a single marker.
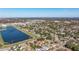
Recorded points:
(12, 35)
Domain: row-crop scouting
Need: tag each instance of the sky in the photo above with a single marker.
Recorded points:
(39, 12)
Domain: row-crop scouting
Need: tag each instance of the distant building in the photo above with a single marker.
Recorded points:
(3, 27)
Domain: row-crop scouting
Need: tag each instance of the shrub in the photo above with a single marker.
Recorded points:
(1, 45)
(72, 45)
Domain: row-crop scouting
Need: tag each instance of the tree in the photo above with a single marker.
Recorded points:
(72, 45)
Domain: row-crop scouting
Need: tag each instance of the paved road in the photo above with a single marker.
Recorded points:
(4, 49)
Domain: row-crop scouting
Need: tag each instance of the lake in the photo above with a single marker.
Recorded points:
(12, 35)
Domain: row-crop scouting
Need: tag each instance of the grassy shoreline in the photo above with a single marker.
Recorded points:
(1, 39)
